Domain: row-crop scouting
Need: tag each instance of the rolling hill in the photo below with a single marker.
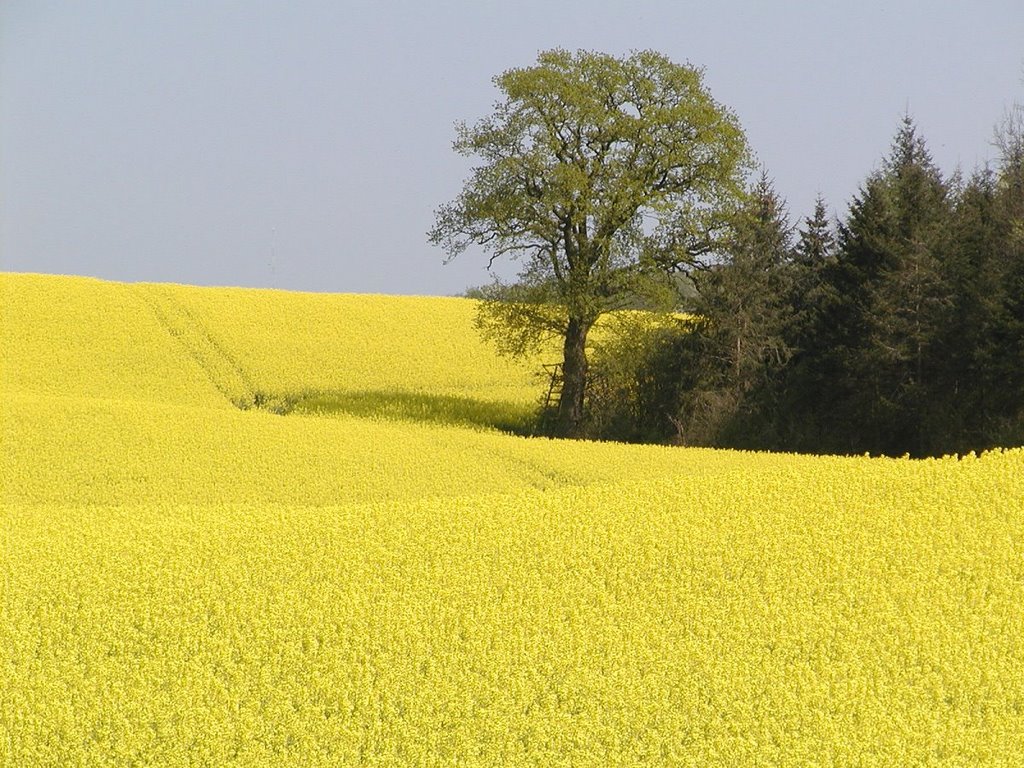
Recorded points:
(253, 527)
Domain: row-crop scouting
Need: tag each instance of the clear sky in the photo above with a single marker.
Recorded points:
(306, 144)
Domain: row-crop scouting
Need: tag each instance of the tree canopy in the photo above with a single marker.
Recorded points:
(603, 176)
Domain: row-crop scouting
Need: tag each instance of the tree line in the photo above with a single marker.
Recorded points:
(897, 330)
(619, 183)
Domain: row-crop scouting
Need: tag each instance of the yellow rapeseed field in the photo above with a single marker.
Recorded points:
(187, 583)
(294, 342)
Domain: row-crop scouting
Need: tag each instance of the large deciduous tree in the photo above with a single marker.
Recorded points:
(604, 176)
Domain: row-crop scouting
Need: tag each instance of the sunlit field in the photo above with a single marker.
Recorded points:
(249, 527)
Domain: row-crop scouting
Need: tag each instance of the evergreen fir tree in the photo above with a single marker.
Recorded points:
(805, 384)
(892, 299)
(744, 310)
(1009, 264)
(967, 397)
(816, 241)
(813, 254)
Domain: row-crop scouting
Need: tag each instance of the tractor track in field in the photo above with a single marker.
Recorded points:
(224, 371)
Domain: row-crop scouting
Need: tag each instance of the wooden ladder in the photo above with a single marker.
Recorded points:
(553, 396)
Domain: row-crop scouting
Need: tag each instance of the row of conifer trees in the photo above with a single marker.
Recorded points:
(897, 329)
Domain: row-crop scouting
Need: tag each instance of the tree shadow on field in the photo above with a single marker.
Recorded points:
(516, 418)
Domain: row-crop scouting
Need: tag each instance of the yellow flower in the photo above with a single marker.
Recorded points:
(188, 583)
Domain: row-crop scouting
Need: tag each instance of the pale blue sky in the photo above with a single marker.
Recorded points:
(305, 145)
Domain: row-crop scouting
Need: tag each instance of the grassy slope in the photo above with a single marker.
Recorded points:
(188, 583)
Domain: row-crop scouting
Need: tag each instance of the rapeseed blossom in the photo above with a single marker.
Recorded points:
(188, 583)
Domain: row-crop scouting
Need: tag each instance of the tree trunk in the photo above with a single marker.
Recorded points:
(574, 379)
